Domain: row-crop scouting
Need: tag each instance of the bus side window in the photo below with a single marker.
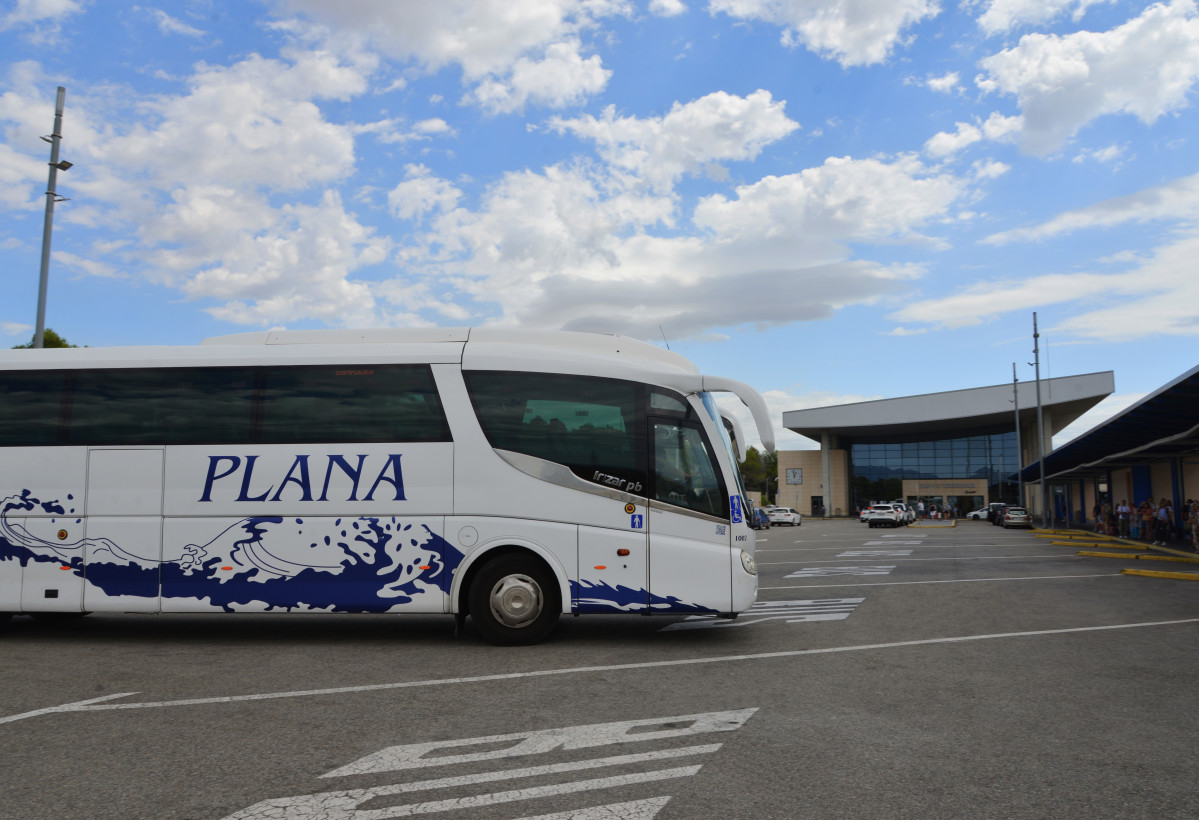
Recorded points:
(30, 407)
(363, 403)
(593, 426)
(162, 406)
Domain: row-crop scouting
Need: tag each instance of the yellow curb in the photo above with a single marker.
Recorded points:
(1141, 557)
(1096, 537)
(1149, 573)
(1092, 544)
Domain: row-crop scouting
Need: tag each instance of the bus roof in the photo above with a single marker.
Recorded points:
(472, 348)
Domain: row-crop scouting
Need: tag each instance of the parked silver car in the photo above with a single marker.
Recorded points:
(1016, 517)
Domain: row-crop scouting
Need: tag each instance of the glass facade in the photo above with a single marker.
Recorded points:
(878, 468)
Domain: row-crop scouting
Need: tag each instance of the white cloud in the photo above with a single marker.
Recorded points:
(190, 178)
(843, 200)
(854, 32)
(1145, 68)
(989, 169)
(714, 128)
(91, 267)
(1004, 15)
(944, 143)
(421, 193)
(667, 8)
(1175, 200)
(945, 84)
(1155, 296)
(512, 52)
(34, 12)
(996, 128)
(562, 77)
(15, 328)
(569, 248)
(1112, 154)
(298, 266)
(171, 25)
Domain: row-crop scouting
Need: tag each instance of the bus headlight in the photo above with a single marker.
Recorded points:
(748, 563)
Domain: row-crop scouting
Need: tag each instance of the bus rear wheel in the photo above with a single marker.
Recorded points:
(514, 601)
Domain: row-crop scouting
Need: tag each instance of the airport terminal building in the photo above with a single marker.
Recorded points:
(962, 448)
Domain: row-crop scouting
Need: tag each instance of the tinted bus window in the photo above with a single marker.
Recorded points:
(30, 407)
(596, 427)
(369, 403)
(161, 406)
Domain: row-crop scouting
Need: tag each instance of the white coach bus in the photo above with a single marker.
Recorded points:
(512, 476)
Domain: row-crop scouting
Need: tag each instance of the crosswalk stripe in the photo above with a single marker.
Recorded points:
(633, 810)
(826, 572)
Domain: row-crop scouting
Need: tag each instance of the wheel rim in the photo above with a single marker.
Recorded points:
(515, 600)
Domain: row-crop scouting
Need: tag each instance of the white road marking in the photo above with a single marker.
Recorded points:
(416, 755)
(961, 558)
(875, 554)
(344, 804)
(635, 810)
(953, 581)
(577, 670)
(828, 572)
(793, 612)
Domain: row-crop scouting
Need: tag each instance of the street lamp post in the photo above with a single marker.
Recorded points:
(1036, 351)
(1019, 448)
(51, 197)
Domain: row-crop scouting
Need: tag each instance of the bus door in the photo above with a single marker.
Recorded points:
(689, 528)
(42, 526)
(123, 548)
(613, 564)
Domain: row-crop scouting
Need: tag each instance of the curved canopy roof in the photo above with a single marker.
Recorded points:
(1162, 426)
(955, 412)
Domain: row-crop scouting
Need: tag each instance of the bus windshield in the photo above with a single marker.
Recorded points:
(714, 413)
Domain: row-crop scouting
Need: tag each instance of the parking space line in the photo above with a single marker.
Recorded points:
(958, 558)
(621, 667)
(951, 581)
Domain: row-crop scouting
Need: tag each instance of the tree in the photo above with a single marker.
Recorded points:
(760, 471)
(49, 339)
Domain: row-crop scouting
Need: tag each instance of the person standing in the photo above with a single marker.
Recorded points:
(1162, 532)
(1123, 511)
(1147, 516)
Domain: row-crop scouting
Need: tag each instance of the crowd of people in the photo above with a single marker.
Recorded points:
(1150, 521)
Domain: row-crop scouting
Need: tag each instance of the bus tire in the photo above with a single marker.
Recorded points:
(514, 600)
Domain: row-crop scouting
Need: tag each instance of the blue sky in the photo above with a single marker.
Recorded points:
(832, 200)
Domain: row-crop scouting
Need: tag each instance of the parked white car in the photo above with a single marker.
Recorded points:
(883, 515)
(785, 515)
(906, 513)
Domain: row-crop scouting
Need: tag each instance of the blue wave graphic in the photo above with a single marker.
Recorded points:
(602, 597)
(366, 564)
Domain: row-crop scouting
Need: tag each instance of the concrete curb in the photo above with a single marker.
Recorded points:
(1177, 576)
(1141, 557)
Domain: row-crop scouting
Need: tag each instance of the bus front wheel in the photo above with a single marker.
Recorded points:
(514, 600)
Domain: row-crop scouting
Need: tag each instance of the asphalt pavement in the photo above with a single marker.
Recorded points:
(919, 672)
